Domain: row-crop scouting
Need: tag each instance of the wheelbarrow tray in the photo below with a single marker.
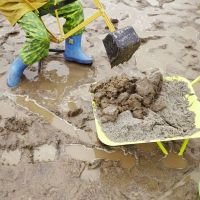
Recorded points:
(194, 106)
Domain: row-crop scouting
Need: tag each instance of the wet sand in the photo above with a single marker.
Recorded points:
(59, 157)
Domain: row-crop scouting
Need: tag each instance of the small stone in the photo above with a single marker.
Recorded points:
(74, 113)
(95, 164)
(114, 21)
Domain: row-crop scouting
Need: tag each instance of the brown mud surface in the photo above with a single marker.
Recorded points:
(147, 108)
(122, 93)
(48, 144)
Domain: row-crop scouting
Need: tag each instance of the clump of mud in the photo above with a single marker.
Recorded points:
(147, 108)
(17, 125)
(119, 94)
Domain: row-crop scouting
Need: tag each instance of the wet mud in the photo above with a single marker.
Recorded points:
(46, 153)
(123, 93)
(143, 109)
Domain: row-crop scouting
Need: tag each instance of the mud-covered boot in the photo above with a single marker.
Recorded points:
(15, 73)
(73, 51)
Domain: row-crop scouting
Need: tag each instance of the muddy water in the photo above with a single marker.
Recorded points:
(50, 117)
(80, 152)
(55, 80)
(174, 161)
(127, 161)
(147, 148)
(94, 157)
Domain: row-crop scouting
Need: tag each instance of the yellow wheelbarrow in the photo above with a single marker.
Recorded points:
(194, 107)
(120, 44)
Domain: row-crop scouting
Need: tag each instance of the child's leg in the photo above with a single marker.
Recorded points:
(37, 42)
(35, 48)
(73, 14)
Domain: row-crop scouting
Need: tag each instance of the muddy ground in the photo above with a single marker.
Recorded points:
(47, 154)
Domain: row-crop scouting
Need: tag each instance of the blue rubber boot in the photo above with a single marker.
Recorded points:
(73, 51)
(15, 73)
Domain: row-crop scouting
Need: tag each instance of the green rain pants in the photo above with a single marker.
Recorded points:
(37, 42)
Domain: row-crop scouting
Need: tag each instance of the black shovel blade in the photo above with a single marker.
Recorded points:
(121, 45)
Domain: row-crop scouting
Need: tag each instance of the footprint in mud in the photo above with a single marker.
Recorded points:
(44, 153)
(11, 157)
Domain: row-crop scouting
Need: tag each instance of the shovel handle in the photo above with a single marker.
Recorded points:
(104, 15)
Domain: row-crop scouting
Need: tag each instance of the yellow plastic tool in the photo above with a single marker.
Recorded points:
(100, 13)
(120, 44)
(194, 107)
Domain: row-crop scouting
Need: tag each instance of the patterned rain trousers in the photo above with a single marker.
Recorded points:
(37, 42)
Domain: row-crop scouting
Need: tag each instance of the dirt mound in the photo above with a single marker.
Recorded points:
(135, 109)
(119, 94)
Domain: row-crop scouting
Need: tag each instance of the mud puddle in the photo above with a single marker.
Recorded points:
(80, 152)
(94, 158)
(127, 161)
(48, 116)
(54, 81)
(95, 167)
(147, 148)
(49, 87)
(173, 161)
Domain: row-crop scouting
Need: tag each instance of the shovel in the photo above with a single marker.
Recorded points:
(120, 45)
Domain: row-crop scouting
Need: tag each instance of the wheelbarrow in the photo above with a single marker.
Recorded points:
(120, 44)
(194, 107)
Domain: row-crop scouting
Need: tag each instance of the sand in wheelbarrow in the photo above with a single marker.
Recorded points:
(143, 108)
